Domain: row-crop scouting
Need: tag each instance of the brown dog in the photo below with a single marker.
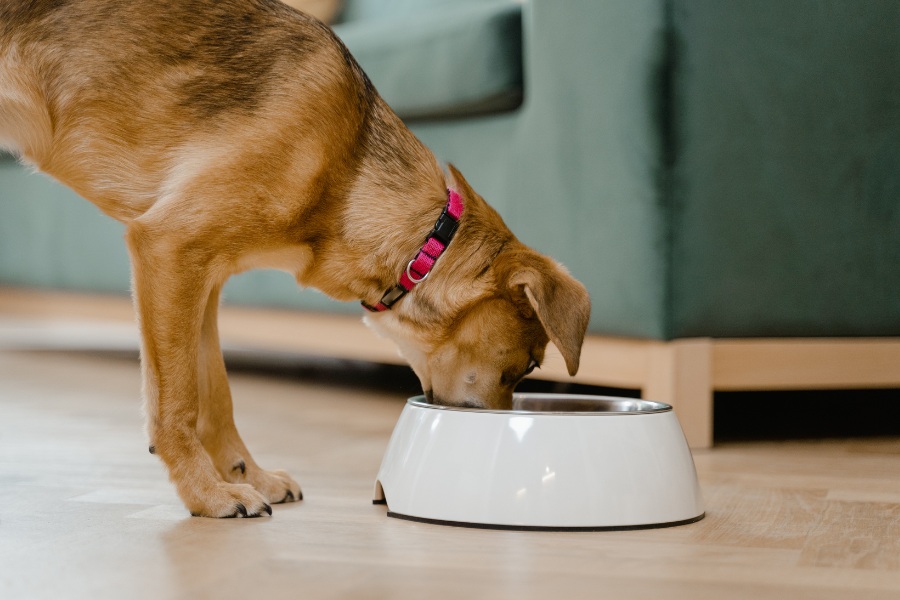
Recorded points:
(234, 134)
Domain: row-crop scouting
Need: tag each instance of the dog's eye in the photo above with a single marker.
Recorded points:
(513, 377)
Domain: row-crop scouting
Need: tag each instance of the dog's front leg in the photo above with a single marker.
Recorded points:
(216, 426)
(174, 274)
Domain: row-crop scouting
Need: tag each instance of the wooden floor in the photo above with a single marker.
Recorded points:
(86, 512)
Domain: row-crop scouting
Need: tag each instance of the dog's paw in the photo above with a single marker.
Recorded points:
(277, 486)
(230, 500)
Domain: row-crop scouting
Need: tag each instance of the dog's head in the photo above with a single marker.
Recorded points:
(482, 323)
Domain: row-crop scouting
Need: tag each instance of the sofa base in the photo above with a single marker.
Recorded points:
(686, 372)
(683, 372)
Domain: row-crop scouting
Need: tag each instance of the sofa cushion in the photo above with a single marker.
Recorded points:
(444, 60)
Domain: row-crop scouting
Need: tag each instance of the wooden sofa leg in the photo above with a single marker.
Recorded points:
(680, 373)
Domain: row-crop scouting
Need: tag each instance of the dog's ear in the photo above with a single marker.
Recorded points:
(459, 183)
(561, 302)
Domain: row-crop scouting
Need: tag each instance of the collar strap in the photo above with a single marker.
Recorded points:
(419, 267)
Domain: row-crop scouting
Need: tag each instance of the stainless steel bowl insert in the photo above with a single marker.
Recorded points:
(564, 404)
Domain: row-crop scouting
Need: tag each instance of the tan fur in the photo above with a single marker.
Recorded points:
(237, 134)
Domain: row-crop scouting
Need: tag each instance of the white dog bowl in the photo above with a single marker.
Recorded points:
(554, 461)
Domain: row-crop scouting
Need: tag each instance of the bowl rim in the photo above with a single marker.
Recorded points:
(648, 407)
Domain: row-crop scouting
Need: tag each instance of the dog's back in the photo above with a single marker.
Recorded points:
(139, 91)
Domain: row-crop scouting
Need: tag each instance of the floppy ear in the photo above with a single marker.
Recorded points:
(561, 302)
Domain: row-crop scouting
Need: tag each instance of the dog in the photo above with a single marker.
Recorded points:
(229, 135)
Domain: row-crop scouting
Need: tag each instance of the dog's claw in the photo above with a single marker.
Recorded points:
(265, 509)
(240, 512)
(240, 465)
(152, 449)
(288, 497)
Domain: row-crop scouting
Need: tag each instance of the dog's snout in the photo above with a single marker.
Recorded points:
(472, 404)
(468, 402)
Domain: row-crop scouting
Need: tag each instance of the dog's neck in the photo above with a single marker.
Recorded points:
(460, 276)
(389, 209)
(420, 266)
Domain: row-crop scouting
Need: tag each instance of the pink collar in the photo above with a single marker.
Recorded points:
(419, 267)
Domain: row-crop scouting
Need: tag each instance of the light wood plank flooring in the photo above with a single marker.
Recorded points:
(86, 512)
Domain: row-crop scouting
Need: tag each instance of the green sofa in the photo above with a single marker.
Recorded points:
(708, 169)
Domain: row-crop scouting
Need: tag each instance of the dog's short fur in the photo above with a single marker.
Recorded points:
(233, 134)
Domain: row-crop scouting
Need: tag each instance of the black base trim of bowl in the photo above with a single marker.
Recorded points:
(382, 501)
(540, 527)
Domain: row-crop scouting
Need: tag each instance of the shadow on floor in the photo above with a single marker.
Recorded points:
(739, 416)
